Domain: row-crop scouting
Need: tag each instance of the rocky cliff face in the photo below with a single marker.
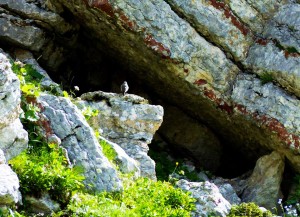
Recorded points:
(232, 67)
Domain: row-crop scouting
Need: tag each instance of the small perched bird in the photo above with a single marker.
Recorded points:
(124, 87)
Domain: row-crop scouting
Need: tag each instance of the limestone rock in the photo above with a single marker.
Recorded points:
(129, 122)
(62, 118)
(209, 199)
(284, 27)
(208, 18)
(13, 138)
(184, 132)
(43, 205)
(125, 163)
(271, 59)
(2, 157)
(9, 186)
(263, 186)
(171, 48)
(21, 33)
(227, 190)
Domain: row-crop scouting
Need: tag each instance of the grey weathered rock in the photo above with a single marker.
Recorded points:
(184, 132)
(285, 28)
(13, 138)
(227, 190)
(46, 82)
(263, 186)
(39, 15)
(208, 18)
(169, 51)
(275, 109)
(248, 14)
(129, 122)
(9, 186)
(271, 59)
(2, 157)
(125, 163)
(21, 33)
(43, 205)
(61, 117)
(209, 200)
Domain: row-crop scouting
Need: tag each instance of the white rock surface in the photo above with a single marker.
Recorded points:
(210, 201)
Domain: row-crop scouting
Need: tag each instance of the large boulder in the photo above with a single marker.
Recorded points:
(128, 121)
(13, 138)
(61, 117)
(263, 186)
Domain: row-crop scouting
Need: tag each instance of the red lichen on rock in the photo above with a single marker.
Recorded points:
(226, 107)
(42, 122)
(221, 104)
(46, 126)
(127, 22)
(228, 14)
(200, 82)
(273, 125)
(157, 46)
(288, 54)
(262, 41)
(103, 5)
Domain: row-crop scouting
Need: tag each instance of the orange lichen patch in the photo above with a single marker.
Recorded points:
(200, 82)
(229, 15)
(157, 46)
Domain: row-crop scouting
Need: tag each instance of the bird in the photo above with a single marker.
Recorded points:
(124, 87)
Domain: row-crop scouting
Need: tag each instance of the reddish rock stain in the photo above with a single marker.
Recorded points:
(42, 122)
(262, 41)
(103, 5)
(273, 125)
(228, 14)
(157, 46)
(200, 82)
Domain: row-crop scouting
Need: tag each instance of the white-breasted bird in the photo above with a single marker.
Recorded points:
(124, 87)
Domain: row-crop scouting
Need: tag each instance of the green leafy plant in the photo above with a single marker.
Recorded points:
(248, 209)
(164, 167)
(266, 77)
(108, 151)
(142, 198)
(88, 112)
(45, 170)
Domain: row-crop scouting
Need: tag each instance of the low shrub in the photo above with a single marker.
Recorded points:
(248, 210)
(45, 170)
(142, 198)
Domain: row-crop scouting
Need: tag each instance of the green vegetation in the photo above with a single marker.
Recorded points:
(142, 198)
(165, 167)
(88, 112)
(248, 209)
(43, 168)
(266, 77)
